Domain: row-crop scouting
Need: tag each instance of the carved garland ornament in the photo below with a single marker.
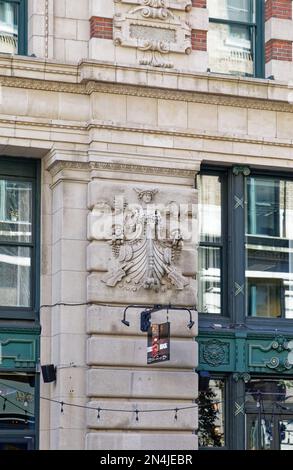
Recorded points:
(141, 258)
(153, 28)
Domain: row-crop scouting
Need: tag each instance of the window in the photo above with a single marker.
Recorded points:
(211, 403)
(235, 37)
(211, 243)
(18, 238)
(13, 26)
(246, 245)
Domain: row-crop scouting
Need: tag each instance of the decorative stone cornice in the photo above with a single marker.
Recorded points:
(90, 87)
(58, 166)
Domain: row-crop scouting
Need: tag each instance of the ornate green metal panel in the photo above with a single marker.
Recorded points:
(19, 350)
(242, 353)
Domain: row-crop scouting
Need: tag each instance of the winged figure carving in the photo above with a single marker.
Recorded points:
(141, 258)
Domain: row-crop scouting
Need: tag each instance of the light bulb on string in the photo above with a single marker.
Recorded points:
(62, 407)
(4, 404)
(25, 403)
(99, 413)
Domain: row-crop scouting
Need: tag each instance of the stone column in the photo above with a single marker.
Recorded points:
(119, 377)
(68, 328)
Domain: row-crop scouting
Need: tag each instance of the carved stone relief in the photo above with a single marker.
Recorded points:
(142, 256)
(154, 27)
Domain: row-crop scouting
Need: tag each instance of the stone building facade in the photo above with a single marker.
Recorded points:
(105, 101)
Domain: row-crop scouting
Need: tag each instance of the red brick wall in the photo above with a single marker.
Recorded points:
(199, 40)
(101, 27)
(199, 3)
(278, 50)
(279, 9)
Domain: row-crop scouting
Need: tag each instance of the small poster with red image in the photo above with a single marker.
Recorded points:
(158, 349)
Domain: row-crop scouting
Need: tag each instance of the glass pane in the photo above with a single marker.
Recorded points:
(230, 49)
(15, 270)
(234, 10)
(15, 211)
(209, 296)
(259, 429)
(210, 226)
(286, 434)
(269, 391)
(211, 415)
(8, 27)
(269, 247)
(17, 402)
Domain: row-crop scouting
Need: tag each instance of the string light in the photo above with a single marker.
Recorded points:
(99, 413)
(4, 404)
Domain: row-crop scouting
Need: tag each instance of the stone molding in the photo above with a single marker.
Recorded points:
(58, 166)
(148, 92)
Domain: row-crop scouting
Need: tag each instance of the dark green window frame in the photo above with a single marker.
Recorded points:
(22, 25)
(233, 268)
(257, 32)
(26, 170)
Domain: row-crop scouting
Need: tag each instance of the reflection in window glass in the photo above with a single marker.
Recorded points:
(211, 415)
(277, 390)
(210, 252)
(8, 27)
(209, 188)
(209, 298)
(17, 402)
(286, 434)
(15, 269)
(15, 211)
(230, 49)
(269, 247)
(234, 10)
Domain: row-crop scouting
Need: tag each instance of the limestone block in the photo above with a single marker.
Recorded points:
(99, 292)
(67, 439)
(101, 49)
(43, 104)
(172, 113)
(203, 117)
(107, 321)
(285, 125)
(14, 101)
(72, 418)
(187, 419)
(199, 18)
(69, 224)
(69, 286)
(102, 8)
(68, 348)
(77, 9)
(60, 8)
(73, 107)
(69, 255)
(141, 441)
(132, 352)
(148, 384)
(76, 50)
(109, 107)
(232, 120)
(281, 70)
(70, 195)
(279, 28)
(65, 28)
(67, 319)
(262, 123)
(98, 256)
(83, 30)
(70, 383)
(142, 110)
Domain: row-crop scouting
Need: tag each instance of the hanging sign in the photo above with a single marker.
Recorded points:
(158, 349)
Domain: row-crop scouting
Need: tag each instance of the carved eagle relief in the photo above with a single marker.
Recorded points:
(144, 260)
